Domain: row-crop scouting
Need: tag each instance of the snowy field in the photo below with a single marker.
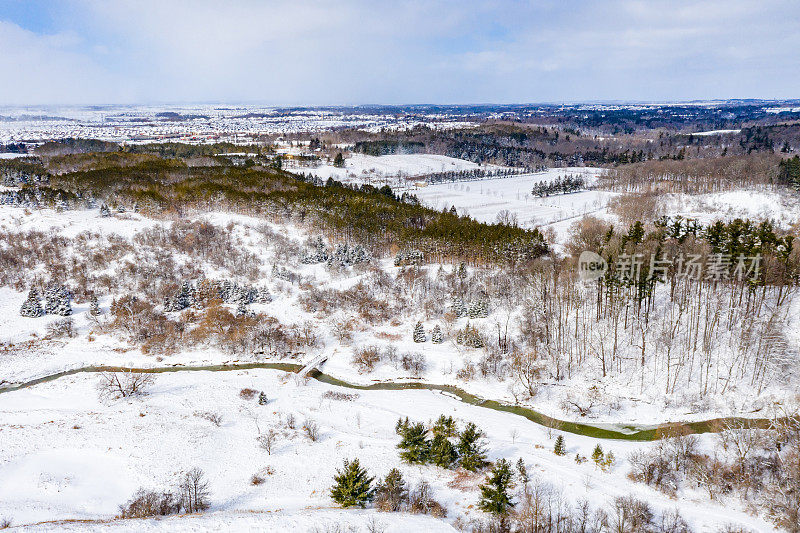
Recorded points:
(779, 206)
(66, 454)
(483, 199)
(391, 169)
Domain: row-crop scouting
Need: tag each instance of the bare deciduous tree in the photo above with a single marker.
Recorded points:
(124, 384)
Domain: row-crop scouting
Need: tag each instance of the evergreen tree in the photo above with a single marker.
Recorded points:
(185, 296)
(522, 471)
(51, 298)
(419, 333)
(262, 399)
(459, 307)
(470, 448)
(392, 492)
(353, 485)
(445, 425)
(415, 445)
(442, 452)
(494, 493)
(338, 161)
(560, 447)
(94, 306)
(478, 309)
(63, 303)
(598, 455)
(608, 462)
(32, 308)
(437, 337)
(401, 426)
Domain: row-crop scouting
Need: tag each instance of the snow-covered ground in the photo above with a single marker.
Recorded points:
(70, 455)
(632, 403)
(392, 169)
(483, 199)
(67, 454)
(779, 206)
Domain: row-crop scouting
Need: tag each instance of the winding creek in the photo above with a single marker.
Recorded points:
(600, 431)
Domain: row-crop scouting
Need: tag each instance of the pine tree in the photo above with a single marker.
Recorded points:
(522, 471)
(608, 462)
(392, 492)
(185, 296)
(51, 298)
(597, 455)
(94, 306)
(494, 493)
(445, 425)
(419, 333)
(64, 303)
(32, 308)
(414, 444)
(442, 452)
(560, 447)
(338, 161)
(353, 485)
(262, 399)
(470, 448)
(401, 426)
(437, 337)
(459, 307)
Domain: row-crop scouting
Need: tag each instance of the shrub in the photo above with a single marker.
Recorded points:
(247, 394)
(631, 514)
(124, 384)
(62, 328)
(312, 430)
(214, 418)
(421, 501)
(366, 358)
(340, 396)
(150, 503)
(267, 440)
(414, 363)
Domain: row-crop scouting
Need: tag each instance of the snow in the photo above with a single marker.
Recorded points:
(483, 199)
(67, 454)
(779, 206)
(713, 132)
(392, 169)
(24, 361)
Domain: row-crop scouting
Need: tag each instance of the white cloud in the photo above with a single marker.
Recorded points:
(49, 69)
(359, 51)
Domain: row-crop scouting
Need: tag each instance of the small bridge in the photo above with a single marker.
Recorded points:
(318, 360)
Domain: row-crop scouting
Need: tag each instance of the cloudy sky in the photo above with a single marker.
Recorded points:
(401, 51)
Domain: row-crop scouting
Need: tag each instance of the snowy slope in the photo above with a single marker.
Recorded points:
(67, 454)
